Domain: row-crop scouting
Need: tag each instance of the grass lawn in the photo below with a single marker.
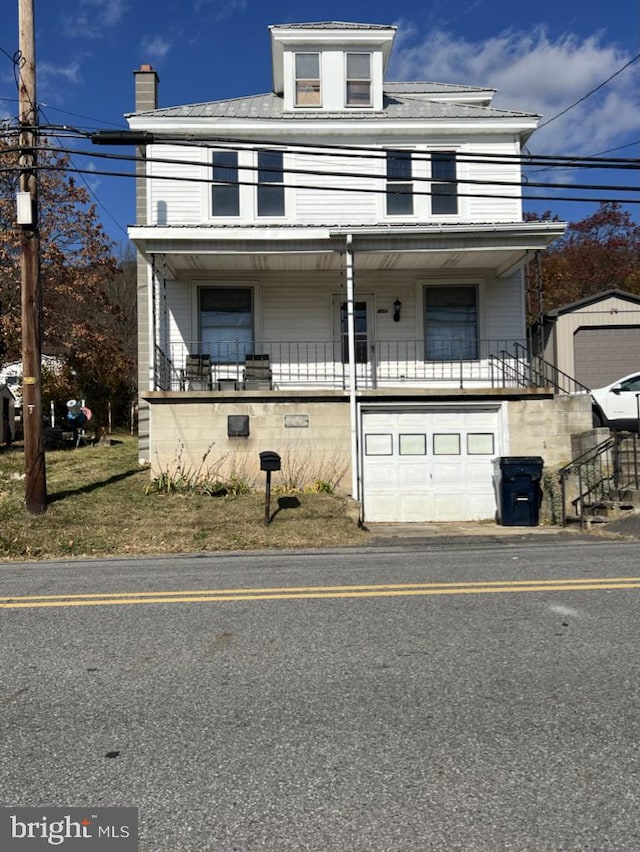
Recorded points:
(97, 506)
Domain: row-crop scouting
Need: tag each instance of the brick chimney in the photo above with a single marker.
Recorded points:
(146, 88)
(146, 95)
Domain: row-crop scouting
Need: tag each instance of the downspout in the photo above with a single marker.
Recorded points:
(351, 340)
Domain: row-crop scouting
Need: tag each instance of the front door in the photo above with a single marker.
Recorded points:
(362, 320)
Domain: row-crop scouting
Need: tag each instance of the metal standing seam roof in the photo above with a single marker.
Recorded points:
(381, 227)
(332, 25)
(396, 106)
(424, 87)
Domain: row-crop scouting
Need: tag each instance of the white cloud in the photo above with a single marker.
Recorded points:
(92, 183)
(72, 72)
(155, 48)
(223, 10)
(532, 73)
(94, 18)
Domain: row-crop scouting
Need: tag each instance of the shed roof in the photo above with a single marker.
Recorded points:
(594, 299)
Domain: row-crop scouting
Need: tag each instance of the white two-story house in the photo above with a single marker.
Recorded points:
(334, 271)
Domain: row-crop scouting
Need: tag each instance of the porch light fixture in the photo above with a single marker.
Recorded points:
(396, 310)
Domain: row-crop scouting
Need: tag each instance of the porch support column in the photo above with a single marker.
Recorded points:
(351, 340)
(153, 336)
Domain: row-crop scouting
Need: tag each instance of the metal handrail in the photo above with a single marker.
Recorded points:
(548, 375)
(599, 473)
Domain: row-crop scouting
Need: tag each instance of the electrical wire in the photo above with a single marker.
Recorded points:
(343, 174)
(381, 191)
(588, 95)
(355, 151)
(93, 194)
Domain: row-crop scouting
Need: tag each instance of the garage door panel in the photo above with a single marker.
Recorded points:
(452, 482)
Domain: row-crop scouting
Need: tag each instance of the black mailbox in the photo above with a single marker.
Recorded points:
(269, 461)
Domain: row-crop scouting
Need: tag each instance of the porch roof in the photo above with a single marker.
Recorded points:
(500, 248)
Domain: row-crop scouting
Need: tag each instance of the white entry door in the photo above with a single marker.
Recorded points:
(429, 465)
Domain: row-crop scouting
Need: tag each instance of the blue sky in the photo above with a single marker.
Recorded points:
(542, 57)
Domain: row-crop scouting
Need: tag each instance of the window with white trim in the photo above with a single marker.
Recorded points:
(307, 88)
(444, 189)
(358, 79)
(225, 316)
(270, 189)
(399, 189)
(225, 192)
(451, 322)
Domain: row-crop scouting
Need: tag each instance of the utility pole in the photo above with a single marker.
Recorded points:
(31, 294)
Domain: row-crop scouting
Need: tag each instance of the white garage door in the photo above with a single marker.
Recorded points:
(430, 465)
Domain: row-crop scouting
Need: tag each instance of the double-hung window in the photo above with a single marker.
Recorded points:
(359, 79)
(307, 79)
(399, 191)
(444, 189)
(270, 191)
(226, 323)
(225, 193)
(451, 322)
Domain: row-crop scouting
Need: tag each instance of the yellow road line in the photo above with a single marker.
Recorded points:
(314, 592)
(277, 589)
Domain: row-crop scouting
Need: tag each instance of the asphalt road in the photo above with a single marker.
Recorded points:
(457, 696)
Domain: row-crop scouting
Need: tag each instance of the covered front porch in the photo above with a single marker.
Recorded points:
(240, 309)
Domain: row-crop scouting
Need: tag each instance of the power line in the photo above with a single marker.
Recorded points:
(93, 194)
(599, 154)
(335, 188)
(132, 138)
(347, 174)
(382, 190)
(588, 95)
(348, 151)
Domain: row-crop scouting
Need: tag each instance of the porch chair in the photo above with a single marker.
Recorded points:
(197, 373)
(257, 372)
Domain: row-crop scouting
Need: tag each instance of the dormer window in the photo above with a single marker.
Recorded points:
(358, 79)
(308, 80)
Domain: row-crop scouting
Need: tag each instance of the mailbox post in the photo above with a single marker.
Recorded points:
(268, 461)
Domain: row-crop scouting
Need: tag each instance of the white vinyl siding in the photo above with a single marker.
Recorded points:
(504, 308)
(315, 199)
(486, 206)
(326, 205)
(178, 201)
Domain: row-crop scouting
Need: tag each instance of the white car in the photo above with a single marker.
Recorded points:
(618, 405)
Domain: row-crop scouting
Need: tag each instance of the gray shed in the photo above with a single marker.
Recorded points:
(596, 340)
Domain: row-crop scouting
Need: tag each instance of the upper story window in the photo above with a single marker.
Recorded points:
(359, 79)
(270, 191)
(308, 80)
(444, 196)
(399, 183)
(225, 193)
